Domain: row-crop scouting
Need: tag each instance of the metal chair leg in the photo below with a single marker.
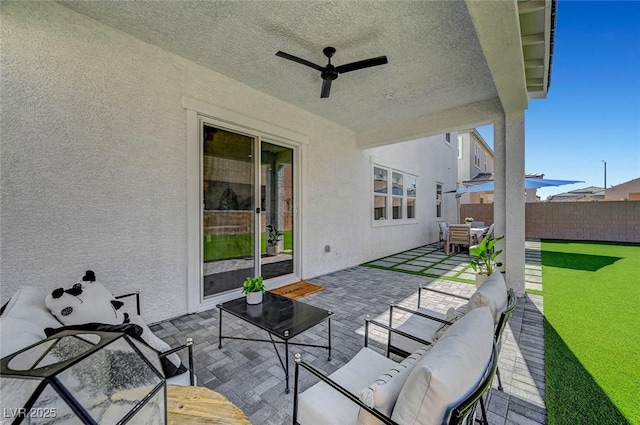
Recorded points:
(499, 380)
(484, 420)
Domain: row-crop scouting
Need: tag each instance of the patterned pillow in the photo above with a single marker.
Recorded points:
(382, 393)
(452, 315)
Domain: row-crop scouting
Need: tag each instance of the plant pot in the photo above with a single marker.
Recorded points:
(254, 297)
(254, 310)
(272, 250)
(480, 278)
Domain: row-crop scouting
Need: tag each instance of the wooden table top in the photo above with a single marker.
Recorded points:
(199, 405)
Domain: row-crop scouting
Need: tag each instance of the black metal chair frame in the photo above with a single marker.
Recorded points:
(188, 345)
(466, 408)
(512, 303)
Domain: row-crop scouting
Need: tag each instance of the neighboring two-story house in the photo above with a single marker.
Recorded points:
(475, 165)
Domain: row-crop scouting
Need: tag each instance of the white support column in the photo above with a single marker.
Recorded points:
(499, 180)
(514, 202)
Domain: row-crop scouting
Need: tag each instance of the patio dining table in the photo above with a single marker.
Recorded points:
(477, 233)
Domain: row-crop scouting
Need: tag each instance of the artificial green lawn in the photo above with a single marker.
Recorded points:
(592, 332)
(218, 247)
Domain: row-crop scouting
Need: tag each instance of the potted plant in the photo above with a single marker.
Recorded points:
(468, 220)
(483, 258)
(253, 288)
(273, 237)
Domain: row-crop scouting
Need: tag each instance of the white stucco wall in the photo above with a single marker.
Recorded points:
(94, 163)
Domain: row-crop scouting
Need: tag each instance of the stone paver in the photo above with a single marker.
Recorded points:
(249, 374)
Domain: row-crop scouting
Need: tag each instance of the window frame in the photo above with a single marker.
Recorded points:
(439, 193)
(390, 196)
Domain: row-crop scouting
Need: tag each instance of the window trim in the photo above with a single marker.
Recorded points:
(439, 200)
(389, 220)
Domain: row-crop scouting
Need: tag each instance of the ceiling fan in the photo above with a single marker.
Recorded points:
(330, 72)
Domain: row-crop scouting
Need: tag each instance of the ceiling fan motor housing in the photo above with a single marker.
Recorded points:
(330, 72)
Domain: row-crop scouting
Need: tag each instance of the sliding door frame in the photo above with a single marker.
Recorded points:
(199, 113)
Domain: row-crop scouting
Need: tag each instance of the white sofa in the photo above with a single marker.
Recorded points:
(25, 317)
(428, 325)
(430, 387)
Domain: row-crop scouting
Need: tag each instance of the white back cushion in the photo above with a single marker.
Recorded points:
(27, 303)
(448, 372)
(383, 392)
(16, 334)
(492, 294)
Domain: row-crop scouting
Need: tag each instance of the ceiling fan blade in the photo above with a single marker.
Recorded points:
(326, 88)
(299, 60)
(354, 66)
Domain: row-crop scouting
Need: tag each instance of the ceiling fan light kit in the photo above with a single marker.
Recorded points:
(331, 72)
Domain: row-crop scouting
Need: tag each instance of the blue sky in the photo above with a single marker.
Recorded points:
(592, 110)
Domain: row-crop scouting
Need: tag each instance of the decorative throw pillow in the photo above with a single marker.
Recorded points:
(452, 316)
(171, 363)
(382, 393)
(86, 301)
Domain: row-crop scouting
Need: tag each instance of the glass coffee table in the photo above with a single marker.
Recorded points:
(281, 317)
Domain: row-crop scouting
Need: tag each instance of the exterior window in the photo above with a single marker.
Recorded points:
(400, 202)
(459, 147)
(476, 155)
(447, 138)
(411, 196)
(398, 194)
(380, 184)
(438, 200)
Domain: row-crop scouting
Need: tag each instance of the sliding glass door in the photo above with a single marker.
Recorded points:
(276, 222)
(228, 217)
(247, 209)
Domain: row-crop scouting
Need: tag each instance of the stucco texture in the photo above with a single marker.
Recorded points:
(94, 163)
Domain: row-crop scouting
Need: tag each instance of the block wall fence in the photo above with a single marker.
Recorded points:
(617, 221)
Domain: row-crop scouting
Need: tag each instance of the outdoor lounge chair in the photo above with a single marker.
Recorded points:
(443, 233)
(437, 384)
(427, 325)
(488, 233)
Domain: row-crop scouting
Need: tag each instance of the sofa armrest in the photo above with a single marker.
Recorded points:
(367, 321)
(424, 288)
(189, 346)
(417, 313)
(136, 294)
(334, 385)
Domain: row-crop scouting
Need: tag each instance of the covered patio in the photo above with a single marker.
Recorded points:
(249, 374)
(106, 105)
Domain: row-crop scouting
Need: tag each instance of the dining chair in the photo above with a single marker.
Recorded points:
(444, 233)
(459, 234)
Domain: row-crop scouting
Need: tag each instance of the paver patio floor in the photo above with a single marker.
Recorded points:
(250, 375)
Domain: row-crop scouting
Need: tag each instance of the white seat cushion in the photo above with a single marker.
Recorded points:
(448, 372)
(383, 392)
(418, 326)
(322, 405)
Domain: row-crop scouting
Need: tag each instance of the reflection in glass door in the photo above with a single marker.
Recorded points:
(277, 206)
(228, 215)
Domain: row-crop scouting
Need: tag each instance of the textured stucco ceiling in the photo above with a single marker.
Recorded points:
(435, 64)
